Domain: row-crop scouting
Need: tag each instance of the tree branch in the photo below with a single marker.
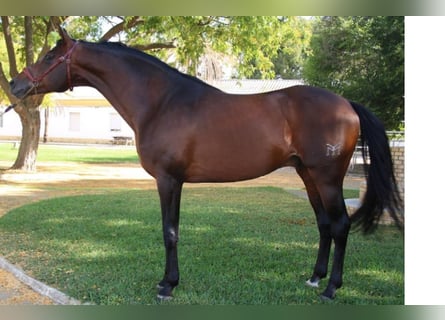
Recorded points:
(4, 83)
(9, 46)
(29, 43)
(51, 25)
(154, 46)
(121, 27)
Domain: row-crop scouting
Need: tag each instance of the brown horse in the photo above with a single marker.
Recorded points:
(188, 131)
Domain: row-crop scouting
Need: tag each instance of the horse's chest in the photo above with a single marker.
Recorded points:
(166, 155)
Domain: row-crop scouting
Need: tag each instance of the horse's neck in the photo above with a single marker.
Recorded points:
(112, 77)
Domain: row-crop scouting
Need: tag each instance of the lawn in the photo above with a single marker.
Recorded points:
(237, 246)
(75, 154)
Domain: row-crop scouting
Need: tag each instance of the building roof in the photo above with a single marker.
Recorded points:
(253, 86)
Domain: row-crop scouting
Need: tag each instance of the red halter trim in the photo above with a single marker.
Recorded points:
(65, 58)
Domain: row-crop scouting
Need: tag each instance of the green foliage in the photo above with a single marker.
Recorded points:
(88, 28)
(237, 246)
(43, 38)
(361, 58)
(294, 35)
(254, 41)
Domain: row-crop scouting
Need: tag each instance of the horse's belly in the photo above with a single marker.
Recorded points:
(234, 165)
(232, 175)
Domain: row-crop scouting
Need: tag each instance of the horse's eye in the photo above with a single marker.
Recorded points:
(48, 57)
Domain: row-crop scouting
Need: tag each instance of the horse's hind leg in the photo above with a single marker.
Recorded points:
(324, 247)
(326, 196)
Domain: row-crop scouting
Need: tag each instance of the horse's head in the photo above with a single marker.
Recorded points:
(51, 73)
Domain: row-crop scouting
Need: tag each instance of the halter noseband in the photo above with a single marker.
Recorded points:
(65, 58)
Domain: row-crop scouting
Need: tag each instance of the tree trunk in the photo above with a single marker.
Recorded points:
(45, 125)
(30, 118)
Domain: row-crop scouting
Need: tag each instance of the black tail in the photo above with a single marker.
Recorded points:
(382, 193)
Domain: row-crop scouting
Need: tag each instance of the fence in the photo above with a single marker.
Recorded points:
(397, 145)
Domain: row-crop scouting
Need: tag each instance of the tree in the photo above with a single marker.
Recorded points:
(292, 50)
(31, 37)
(361, 58)
(252, 42)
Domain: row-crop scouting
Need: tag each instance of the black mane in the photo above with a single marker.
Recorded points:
(119, 46)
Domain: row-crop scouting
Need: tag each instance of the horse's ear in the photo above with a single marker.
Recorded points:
(64, 35)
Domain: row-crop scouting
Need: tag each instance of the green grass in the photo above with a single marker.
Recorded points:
(237, 246)
(74, 154)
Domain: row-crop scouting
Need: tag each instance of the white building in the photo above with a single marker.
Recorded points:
(84, 115)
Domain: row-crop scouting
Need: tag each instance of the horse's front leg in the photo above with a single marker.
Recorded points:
(169, 190)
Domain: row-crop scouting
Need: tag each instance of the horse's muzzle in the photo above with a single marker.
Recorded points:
(20, 89)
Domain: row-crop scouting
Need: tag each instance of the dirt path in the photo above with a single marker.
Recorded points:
(62, 179)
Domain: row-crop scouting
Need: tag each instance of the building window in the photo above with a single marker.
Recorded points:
(74, 119)
(115, 122)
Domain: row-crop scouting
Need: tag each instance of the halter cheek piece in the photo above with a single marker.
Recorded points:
(36, 80)
(65, 58)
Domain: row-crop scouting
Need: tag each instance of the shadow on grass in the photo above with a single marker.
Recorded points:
(238, 246)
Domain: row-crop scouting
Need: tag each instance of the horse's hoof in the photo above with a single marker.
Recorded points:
(328, 295)
(165, 291)
(162, 284)
(326, 298)
(311, 284)
(164, 298)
